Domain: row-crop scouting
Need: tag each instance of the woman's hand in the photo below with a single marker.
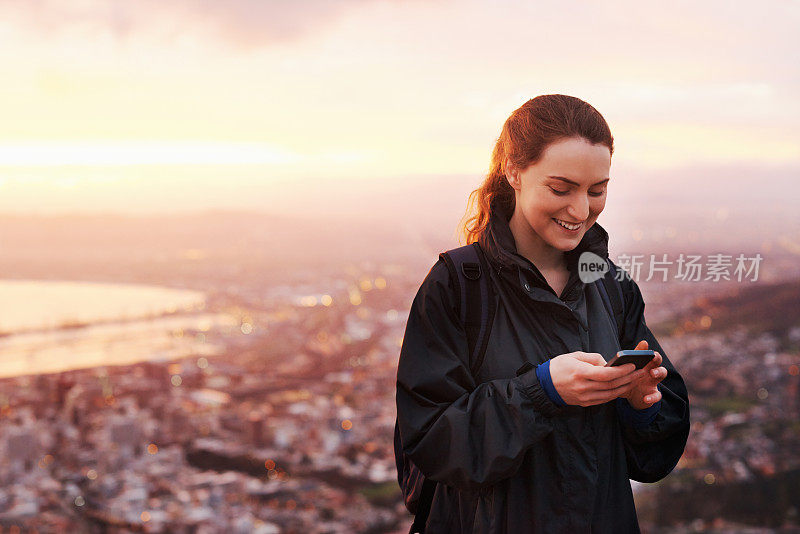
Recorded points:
(582, 379)
(644, 392)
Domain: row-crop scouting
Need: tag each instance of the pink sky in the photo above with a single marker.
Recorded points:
(158, 106)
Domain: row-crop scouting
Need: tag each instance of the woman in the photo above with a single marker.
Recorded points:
(553, 448)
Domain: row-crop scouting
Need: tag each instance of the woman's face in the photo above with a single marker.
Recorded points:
(567, 184)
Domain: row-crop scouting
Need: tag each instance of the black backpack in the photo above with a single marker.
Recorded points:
(466, 265)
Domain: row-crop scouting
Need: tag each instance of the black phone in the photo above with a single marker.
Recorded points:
(639, 358)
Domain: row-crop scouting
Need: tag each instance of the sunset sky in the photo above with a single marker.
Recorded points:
(158, 106)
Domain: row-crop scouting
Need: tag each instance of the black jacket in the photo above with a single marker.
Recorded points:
(507, 458)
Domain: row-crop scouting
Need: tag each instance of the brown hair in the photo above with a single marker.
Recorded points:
(527, 132)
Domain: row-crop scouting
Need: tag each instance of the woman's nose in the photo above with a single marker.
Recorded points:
(579, 209)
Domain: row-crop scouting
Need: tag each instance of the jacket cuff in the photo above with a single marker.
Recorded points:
(543, 374)
(637, 418)
(528, 382)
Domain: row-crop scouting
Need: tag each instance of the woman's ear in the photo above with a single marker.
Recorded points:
(512, 173)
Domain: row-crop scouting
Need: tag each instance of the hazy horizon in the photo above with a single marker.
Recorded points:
(153, 107)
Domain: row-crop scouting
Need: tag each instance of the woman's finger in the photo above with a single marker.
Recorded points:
(652, 398)
(634, 376)
(655, 362)
(598, 397)
(658, 374)
(605, 374)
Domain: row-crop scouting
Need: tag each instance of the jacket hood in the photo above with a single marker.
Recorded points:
(501, 249)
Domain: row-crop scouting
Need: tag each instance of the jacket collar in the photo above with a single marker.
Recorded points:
(501, 249)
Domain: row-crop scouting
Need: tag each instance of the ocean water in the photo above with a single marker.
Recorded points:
(38, 304)
(56, 326)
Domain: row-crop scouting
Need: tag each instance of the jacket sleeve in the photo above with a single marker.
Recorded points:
(465, 435)
(653, 449)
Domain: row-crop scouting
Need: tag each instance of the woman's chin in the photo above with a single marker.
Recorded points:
(567, 248)
(564, 235)
(565, 243)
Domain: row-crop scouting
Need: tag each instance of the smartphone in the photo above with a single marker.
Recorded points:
(639, 358)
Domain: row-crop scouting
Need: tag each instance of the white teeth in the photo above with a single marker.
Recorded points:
(568, 226)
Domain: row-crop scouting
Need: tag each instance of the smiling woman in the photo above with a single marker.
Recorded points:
(554, 211)
(532, 431)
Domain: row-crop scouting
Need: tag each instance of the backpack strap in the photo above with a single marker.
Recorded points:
(470, 274)
(469, 269)
(613, 299)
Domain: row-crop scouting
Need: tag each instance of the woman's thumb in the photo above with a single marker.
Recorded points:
(642, 345)
(591, 357)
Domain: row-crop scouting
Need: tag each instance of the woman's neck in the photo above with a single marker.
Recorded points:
(532, 246)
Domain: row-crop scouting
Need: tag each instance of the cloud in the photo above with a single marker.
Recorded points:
(239, 23)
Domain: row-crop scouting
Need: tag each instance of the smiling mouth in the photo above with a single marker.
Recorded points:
(568, 226)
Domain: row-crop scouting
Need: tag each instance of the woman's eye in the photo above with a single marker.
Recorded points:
(591, 193)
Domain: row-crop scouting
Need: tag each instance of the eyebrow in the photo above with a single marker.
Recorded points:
(576, 183)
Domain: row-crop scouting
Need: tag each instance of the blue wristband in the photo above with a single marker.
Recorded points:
(543, 374)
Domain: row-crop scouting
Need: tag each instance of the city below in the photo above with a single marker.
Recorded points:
(268, 404)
